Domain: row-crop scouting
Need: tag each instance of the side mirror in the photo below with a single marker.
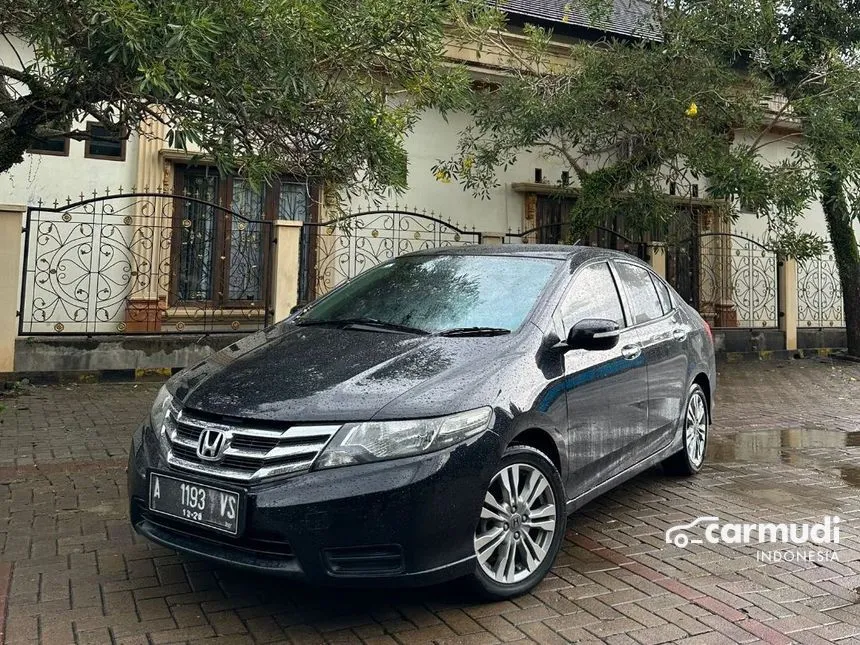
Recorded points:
(594, 334)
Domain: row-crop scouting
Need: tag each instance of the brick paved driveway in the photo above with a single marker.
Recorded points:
(786, 448)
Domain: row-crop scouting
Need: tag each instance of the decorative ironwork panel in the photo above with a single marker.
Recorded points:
(819, 293)
(737, 281)
(143, 263)
(197, 238)
(293, 202)
(246, 259)
(357, 242)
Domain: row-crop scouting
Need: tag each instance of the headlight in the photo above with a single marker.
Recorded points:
(159, 410)
(359, 443)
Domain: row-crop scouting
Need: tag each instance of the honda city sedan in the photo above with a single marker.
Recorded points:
(436, 417)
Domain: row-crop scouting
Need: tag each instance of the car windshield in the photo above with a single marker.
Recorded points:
(436, 294)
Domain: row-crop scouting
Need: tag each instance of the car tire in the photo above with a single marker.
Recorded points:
(694, 436)
(522, 525)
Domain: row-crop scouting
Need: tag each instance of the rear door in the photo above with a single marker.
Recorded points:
(606, 390)
(662, 334)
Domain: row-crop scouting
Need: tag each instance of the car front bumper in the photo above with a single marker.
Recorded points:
(404, 521)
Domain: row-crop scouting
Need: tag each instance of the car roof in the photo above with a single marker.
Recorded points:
(548, 251)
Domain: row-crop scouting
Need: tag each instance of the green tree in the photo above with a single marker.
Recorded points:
(813, 60)
(313, 88)
(675, 104)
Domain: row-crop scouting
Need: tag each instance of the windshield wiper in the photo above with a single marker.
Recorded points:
(474, 331)
(365, 322)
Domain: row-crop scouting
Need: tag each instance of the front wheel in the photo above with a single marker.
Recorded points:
(521, 526)
(689, 460)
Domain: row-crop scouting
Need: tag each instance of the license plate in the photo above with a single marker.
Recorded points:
(200, 504)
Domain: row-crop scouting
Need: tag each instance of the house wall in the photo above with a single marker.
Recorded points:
(820, 316)
(433, 139)
(775, 149)
(49, 177)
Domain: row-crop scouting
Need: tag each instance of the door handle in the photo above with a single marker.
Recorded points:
(679, 334)
(631, 352)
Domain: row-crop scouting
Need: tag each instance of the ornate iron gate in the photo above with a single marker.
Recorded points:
(344, 247)
(730, 279)
(819, 292)
(152, 263)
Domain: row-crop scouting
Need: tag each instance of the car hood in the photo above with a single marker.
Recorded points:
(319, 373)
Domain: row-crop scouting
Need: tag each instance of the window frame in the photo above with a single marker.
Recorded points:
(627, 298)
(222, 235)
(88, 144)
(558, 316)
(659, 284)
(51, 153)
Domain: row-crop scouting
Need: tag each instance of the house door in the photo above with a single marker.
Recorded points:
(553, 227)
(553, 220)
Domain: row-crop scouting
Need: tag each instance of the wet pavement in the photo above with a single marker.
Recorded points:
(803, 413)
(785, 447)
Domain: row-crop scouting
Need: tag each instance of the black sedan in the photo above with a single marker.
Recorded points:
(438, 416)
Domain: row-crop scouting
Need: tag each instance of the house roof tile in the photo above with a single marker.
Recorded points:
(628, 17)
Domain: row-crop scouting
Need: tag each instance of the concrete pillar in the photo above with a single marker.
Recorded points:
(285, 267)
(150, 167)
(148, 302)
(11, 221)
(492, 239)
(787, 303)
(657, 254)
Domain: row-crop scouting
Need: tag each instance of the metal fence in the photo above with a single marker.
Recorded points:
(731, 279)
(819, 293)
(143, 263)
(162, 263)
(738, 281)
(343, 248)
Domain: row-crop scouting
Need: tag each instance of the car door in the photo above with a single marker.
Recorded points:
(662, 334)
(606, 389)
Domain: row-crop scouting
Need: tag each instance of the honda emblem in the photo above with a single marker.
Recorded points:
(210, 446)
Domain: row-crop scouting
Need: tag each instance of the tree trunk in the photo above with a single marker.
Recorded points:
(845, 251)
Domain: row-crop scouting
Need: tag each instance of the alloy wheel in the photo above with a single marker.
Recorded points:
(696, 428)
(518, 521)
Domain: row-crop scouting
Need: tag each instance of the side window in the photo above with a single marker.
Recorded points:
(663, 294)
(102, 144)
(593, 294)
(643, 296)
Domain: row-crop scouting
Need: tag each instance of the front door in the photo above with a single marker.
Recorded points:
(220, 254)
(606, 390)
(221, 237)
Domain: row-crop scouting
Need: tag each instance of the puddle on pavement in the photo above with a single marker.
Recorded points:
(793, 446)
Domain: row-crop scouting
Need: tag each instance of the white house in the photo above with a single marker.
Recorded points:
(195, 255)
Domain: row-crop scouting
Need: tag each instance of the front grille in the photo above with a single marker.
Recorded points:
(248, 452)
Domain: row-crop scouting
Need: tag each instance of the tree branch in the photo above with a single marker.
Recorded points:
(581, 173)
(18, 75)
(15, 50)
